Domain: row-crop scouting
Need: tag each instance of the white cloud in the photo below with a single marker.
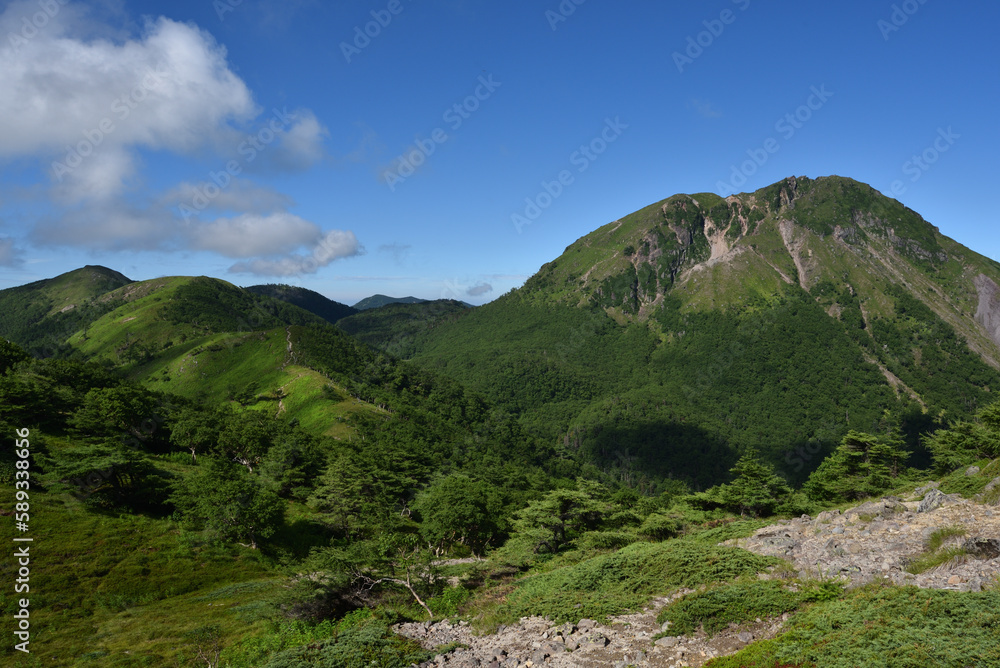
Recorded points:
(334, 245)
(86, 105)
(9, 256)
(301, 146)
(251, 234)
(240, 195)
(107, 226)
(478, 290)
(85, 99)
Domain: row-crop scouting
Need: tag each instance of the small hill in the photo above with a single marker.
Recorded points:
(311, 301)
(376, 301)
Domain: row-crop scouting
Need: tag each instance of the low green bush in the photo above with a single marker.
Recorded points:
(717, 607)
(613, 583)
(876, 625)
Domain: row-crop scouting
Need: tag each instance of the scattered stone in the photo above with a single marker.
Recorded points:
(983, 548)
(955, 580)
(972, 470)
(745, 637)
(667, 641)
(933, 500)
(884, 508)
(594, 640)
(586, 624)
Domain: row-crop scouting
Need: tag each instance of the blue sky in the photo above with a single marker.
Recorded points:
(460, 144)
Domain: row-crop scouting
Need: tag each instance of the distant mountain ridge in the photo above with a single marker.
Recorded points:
(375, 301)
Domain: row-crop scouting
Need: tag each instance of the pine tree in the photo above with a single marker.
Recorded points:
(757, 489)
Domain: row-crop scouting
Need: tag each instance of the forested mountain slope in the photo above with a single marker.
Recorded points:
(312, 301)
(667, 341)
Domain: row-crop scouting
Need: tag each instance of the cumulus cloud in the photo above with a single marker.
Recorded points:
(252, 234)
(107, 226)
(480, 289)
(301, 146)
(334, 245)
(9, 256)
(86, 105)
(85, 99)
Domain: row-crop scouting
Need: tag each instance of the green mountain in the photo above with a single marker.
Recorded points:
(376, 301)
(394, 327)
(42, 314)
(311, 301)
(665, 343)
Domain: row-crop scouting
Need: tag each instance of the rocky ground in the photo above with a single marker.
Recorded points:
(877, 539)
(880, 538)
(626, 641)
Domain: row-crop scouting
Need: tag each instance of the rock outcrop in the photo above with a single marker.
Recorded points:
(879, 539)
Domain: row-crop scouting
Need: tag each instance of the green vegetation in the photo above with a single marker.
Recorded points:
(756, 491)
(308, 300)
(862, 466)
(935, 554)
(879, 626)
(735, 602)
(394, 328)
(623, 580)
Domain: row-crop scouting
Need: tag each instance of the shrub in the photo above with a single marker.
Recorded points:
(903, 627)
(613, 583)
(716, 608)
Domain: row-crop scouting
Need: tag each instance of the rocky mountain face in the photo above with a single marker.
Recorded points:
(777, 319)
(824, 235)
